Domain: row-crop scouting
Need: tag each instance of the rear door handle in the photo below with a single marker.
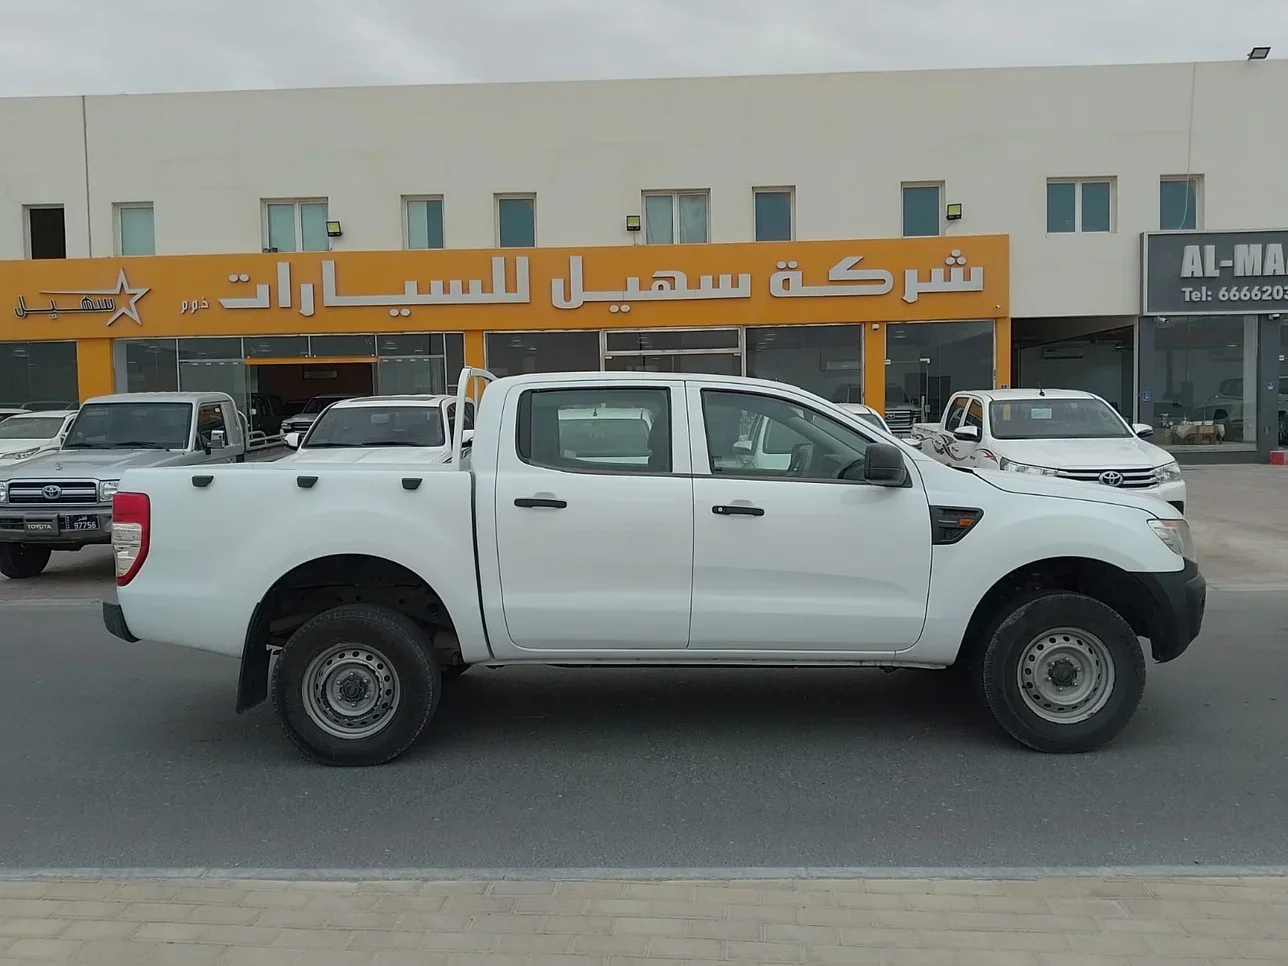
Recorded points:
(737, 509)
(532, 501)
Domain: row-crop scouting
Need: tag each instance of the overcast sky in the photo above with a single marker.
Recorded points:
(133, 46)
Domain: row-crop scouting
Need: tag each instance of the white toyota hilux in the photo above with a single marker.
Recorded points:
(1065, 433)
(550, 541)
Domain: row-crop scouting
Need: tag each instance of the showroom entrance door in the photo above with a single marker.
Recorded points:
(926, 362)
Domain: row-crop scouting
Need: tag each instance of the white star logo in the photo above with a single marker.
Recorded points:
(129, 309)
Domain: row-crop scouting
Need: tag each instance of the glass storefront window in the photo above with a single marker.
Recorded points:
(1283, 384)
(41, 375)
(670, 340)
(710, 363)
(826, 360)
(195, 349)
(147, 365)
(331, 346)
(1204, 380)
(514, 353)
(277, 347)
(926, 362)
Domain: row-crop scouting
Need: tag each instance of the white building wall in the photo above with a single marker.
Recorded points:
(588, 150)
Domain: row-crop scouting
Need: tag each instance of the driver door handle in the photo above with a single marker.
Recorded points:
(737, 509)
(533, 501)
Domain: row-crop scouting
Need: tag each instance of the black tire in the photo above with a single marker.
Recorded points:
(414, 681)
(454, 671)
(1035, 617)
(18, 561)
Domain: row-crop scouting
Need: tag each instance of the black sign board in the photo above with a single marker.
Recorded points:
(1214, 272)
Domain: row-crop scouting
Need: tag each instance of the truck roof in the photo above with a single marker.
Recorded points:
(409, 400)
(640, 379)
(161, 397)
(1005, 394)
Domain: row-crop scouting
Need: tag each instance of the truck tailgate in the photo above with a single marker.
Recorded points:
(220, 537)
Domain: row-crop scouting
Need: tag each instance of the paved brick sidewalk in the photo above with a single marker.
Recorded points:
(849, 922)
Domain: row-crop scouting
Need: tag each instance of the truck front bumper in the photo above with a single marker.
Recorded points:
(114, 621)
(1179, 598)
(56, 527)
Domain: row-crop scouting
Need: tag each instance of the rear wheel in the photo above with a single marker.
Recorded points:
(1062, 673)
(356, 685)
(21, 560)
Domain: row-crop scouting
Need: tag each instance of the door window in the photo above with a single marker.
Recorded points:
(210, 418)
(817, 446)
(596, 430)
(955, 411)
(975, 415)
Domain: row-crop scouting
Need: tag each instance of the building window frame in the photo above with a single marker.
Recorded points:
(496, 214)
(790, 191)
(297, 220)
(1079, 183)
(675, 195)
(26, 227)
(407, 202)
(904, 187)
(1198, 181)
(118, 228)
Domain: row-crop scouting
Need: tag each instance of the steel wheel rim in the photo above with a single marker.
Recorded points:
(1065, 675)
(350, 691)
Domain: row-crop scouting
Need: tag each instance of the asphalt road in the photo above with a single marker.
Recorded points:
(127, 756)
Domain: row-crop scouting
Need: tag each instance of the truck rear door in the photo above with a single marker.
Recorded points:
(795, 558)
(594, 517)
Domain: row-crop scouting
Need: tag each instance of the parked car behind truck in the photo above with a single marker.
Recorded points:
(373, 584)
(1062, 433)
(63, 500)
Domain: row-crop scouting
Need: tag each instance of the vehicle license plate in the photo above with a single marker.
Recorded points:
(82, 522)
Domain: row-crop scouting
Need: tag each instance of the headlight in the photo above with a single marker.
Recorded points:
(4, 492)
(1013, 467)
(107, 490)
(1168, 472)
(1176, 534)
(21, 456)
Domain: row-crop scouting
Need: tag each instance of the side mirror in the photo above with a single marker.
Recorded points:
(742, 447)
(467, 436)
(1143, 430)
(883, 465)
(217, 439)
(916, 442)
(292, 440)
(967, 434)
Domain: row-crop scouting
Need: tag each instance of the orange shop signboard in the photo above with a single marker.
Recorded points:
(639, 286)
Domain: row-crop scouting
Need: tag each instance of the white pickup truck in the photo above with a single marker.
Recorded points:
(543, 543)
(1065, 433)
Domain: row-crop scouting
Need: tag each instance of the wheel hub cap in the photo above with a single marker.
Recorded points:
(350, 691)
(1065, 675)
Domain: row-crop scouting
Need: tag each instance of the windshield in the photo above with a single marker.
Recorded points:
(1040, 418)
(31, 427)
(319, 403)
(872, 418)
(378, 426)
(131, 425)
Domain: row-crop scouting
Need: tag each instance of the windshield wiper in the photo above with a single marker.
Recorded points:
(138, 444)
(393, 442)
(87, 446)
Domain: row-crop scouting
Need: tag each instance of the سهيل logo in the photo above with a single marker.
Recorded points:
(91, 300)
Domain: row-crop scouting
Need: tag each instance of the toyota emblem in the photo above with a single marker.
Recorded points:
(52, 492)
(1111, 478)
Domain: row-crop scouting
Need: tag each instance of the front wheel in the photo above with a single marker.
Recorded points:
(19, 561)
(356, 685)
(1062, 673)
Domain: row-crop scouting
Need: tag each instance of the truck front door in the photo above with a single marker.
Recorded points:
(594, 518)
(798, 559)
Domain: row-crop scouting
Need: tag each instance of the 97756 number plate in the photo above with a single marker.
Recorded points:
(81, 522)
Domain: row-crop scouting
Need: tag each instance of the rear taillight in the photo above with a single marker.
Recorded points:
(131, 521)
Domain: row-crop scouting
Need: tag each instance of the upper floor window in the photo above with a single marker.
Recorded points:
(1178, 203)
(773, 214)
(296, 226)
(675, 216)
(922, 204)
(423, 218)
(135, 230)
(1079, 205)
(516, 221)
(46, 231)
